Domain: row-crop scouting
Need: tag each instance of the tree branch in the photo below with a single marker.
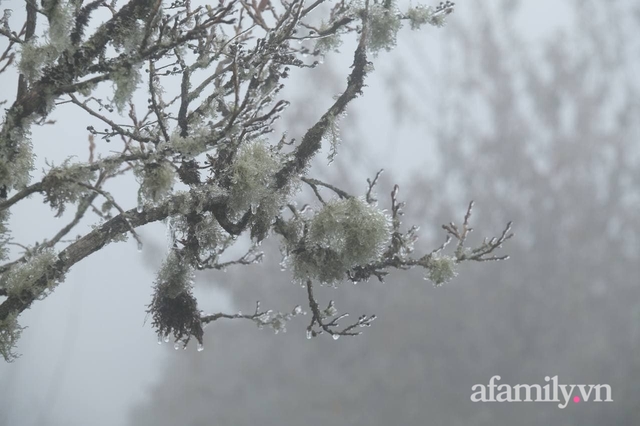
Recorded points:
(312, 140)
(97, 239)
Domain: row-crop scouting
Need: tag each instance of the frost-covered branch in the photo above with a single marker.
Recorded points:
(24, 193)
(112, 202)
(83, 206)
(311, 142)
(36, 98)
(352, 239)
(116, 129)
(53, 272)
(13, 37)
(251, 257)
(269, 318)
(213, 77)
(322, 318)
(488, 246)
(372, 183)
(314, 183)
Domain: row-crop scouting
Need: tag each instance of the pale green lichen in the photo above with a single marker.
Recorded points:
(174, 309)
(333, 136)
(328, 43)
(129, 37)
(125, 80)
(4, 234)
(63, 184)
(265, 214)
(28, 277)
(193, 145)
(441, 270)
(156, 180)
(209, 234)
(383, 26)
(60, 15)
(10, 332)
(418, 16)
(252, 175)
(344, 234)
(36, 55)
(16, 152)
(175, 276)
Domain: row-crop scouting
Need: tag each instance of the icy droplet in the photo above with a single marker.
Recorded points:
(335, 336)
(176, 346)
(166, 339)
(171, 235)
(159, 340)
(140, 206)
(309, 334)
(283, 264)
(297, 310)
(139, 246)
(200, 347)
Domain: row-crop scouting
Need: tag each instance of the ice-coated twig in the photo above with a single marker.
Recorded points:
(325, 323)
(276, 320)
(314, 183)
(370, 198)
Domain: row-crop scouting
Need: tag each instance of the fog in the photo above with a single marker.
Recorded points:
(528, 108)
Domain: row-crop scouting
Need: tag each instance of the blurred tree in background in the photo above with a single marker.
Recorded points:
(548, 131)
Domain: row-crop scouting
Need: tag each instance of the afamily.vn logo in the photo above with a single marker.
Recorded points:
(551, 392)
